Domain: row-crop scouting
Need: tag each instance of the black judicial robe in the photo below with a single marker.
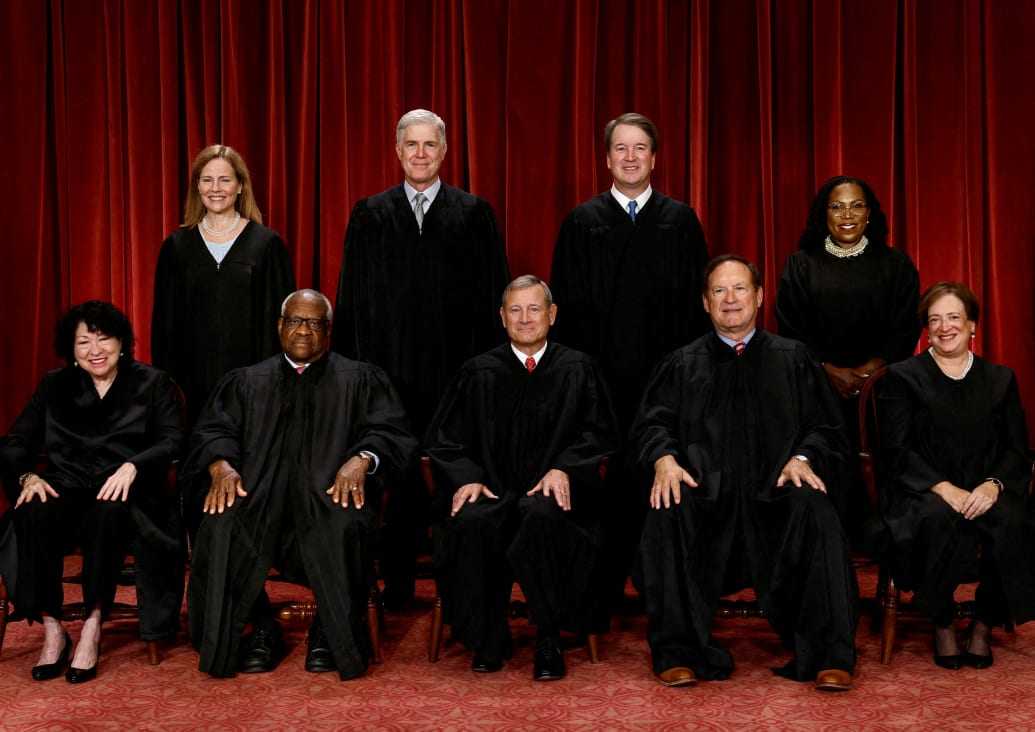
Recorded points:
(419, 303)
(88, 438)
(733, 422)
(628, 294)
(849, 310)
(504, 427)
(935, 428)
(287, 434)
(209, 318)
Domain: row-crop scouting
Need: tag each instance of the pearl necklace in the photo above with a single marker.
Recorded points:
(224, 232)
(841, 253)
(966, 369)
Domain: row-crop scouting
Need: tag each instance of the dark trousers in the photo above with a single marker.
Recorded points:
(48, 531)
(481, 551)
(810, 594)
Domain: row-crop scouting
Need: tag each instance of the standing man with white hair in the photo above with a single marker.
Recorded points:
(422, 275)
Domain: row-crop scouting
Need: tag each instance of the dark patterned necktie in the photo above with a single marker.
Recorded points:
(632, 210)
(739, 347)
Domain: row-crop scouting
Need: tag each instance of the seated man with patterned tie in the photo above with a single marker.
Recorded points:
(737, 428)
(516, 445)
(287, 458)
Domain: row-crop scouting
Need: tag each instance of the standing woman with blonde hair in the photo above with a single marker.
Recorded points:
(220, 280)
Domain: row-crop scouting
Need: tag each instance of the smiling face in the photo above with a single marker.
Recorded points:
(527, 318)
(847, 214)
(630, 159)
(948, 327)
(96, 353)
(732, 300)
(420, 152)
(219, 186)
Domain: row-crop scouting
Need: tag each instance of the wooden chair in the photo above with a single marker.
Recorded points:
(516, 610)
(119, 610)
(305, 610)
(889, 596)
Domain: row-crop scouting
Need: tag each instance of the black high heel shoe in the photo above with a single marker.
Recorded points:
(973, 659)
(47, 671)
(81, 675)
(953, 662)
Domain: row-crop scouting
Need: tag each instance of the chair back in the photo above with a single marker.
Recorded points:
(869, 433)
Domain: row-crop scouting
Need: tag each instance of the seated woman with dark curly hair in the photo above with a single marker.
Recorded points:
(955, 443)
(110, 427)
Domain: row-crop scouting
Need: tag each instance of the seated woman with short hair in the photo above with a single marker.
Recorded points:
(110, 426)
(955, 443)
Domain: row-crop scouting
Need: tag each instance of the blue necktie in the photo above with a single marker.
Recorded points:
(632, 210)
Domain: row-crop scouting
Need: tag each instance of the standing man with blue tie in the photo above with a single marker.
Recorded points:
(626, 274)
(422, 275)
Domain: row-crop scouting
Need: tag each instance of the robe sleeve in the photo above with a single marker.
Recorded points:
(381, 425)
(216, 435)
(907, 466)
(279, 282)
(451, 437)
(822, 439)
(654, 433)
(794, 305)
(496, 277)
(167, 309)
(1011, 463)
(597, 433)
(20, 446)
(903, 327)
(164, 423)
(344, 334)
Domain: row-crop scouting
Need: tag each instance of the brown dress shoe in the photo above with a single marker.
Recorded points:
(833, 679)
(677, 676)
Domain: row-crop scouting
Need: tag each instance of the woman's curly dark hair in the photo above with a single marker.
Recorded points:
(816, 231)
(100, 317)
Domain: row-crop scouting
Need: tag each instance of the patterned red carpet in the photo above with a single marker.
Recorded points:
(408, 693)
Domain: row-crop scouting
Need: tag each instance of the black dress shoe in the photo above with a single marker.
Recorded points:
(549, 660)
(319, 658)
(482, 666)
(81, 675)
(262, 649)
(975, 660)
(47, 671)
(953, 662)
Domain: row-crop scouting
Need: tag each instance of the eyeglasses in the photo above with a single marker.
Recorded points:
(855, 208)
(317, 325)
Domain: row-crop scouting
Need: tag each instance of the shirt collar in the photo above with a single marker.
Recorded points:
(730, 342)
(521, 355)
(623, 200)
(429, 193)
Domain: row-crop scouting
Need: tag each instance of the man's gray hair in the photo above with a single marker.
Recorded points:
(420, 117)
(309, 294)
(523, 283)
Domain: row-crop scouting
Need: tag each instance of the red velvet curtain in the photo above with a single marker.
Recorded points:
(758, 102)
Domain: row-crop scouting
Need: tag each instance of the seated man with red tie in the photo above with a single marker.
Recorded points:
(737, 428)
(516, 445)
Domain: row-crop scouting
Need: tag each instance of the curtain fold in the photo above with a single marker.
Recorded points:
(758, 102)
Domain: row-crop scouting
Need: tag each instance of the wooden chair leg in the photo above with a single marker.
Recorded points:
(435, 636)
(594, 652)
(4, 608)
(152, 653)
(889, 601)
(373, 624)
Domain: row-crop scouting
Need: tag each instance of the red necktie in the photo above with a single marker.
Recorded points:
(530, 364)
(299, 369)
(739, 347)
